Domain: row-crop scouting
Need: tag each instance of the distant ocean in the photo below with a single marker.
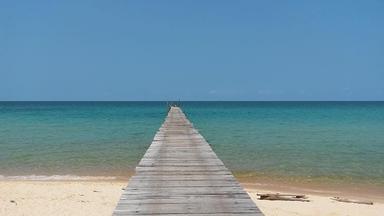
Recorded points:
(327, 141)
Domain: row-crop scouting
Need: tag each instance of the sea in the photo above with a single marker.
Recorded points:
(335, 142)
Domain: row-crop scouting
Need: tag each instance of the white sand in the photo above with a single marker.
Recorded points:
(59, 197)
(318, 205)
(100, 198)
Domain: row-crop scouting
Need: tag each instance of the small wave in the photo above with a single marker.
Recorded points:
(56, 177)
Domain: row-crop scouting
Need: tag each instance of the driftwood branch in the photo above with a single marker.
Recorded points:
(284, 197)
(351, 201)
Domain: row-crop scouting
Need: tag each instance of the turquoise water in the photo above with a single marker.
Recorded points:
(311, 140)
(45, 138)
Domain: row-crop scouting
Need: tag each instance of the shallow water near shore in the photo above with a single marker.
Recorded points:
(334, 142)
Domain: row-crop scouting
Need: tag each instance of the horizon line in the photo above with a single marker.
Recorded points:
(191, 101)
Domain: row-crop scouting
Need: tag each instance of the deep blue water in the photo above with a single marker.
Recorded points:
(312, 140)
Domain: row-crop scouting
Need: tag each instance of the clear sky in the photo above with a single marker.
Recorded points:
(192, 50)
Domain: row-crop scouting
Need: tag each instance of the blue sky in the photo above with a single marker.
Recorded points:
(191, 50)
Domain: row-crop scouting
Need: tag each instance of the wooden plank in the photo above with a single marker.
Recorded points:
(181, 175)
(185, 173)
(180, 208)
(122, 212)
(162, 183)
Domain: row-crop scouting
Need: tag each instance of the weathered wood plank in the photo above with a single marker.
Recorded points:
(181, 175)
(182, 178)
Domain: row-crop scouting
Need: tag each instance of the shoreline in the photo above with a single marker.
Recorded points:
(99, 197)
(353, 191)
(273, 183)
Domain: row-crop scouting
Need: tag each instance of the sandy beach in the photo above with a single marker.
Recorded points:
(318, 205)
(59, 197)
(100, 198)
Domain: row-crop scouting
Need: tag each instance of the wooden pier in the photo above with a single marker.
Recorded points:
(181, 175)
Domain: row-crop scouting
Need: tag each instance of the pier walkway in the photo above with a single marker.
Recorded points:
(181, 175)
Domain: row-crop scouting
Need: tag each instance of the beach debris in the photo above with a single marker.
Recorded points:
(96, 191)
(283, 197)
(13, 201)
(339, 199)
